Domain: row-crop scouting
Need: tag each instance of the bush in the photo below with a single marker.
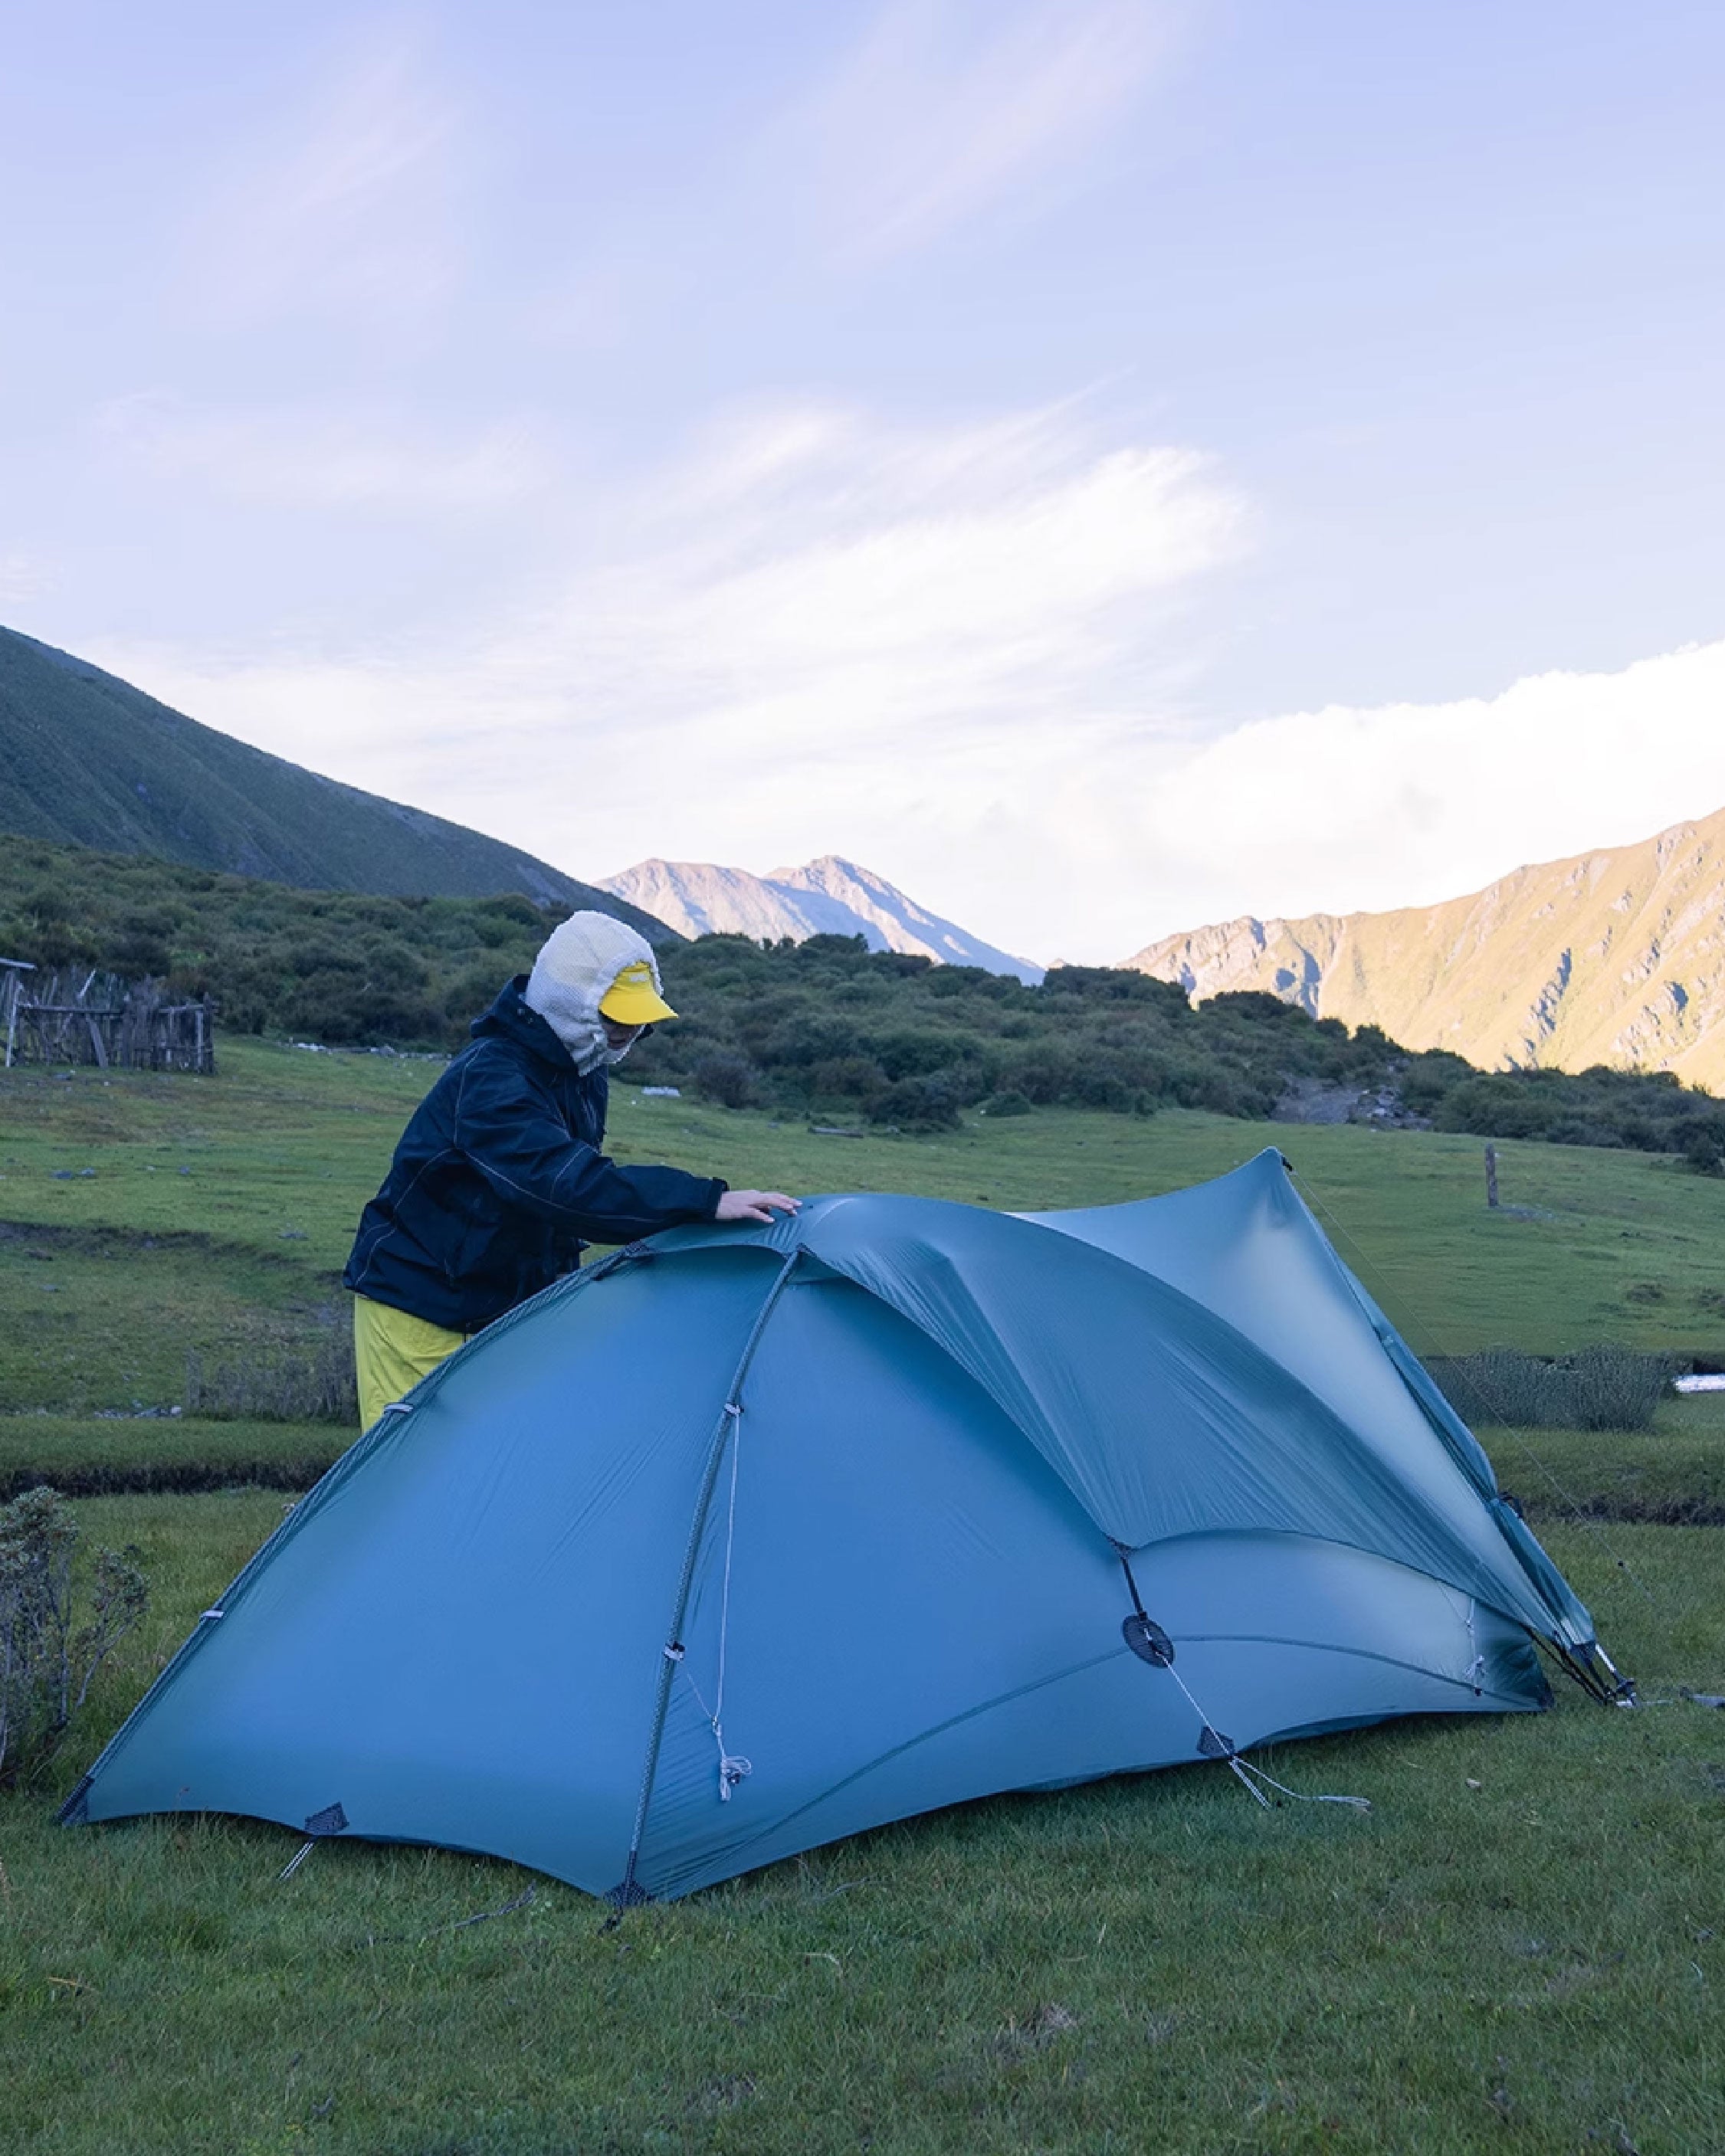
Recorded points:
(1598, 1388)
(1011, 1103)
(920, 1104)
(730, 1079)
(826, 1025)
(47, 1656)
(1703, 1146)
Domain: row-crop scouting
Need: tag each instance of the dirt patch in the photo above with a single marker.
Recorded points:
(1317, 1100)
(1310, 1101)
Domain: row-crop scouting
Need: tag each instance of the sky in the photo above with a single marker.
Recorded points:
(1106, 465)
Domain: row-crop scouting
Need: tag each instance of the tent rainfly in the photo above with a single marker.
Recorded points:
(746, 1538)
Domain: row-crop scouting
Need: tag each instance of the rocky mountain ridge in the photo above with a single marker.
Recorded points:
(830, 896)
(1614, 957)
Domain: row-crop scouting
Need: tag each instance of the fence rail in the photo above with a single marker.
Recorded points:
(96, 1018)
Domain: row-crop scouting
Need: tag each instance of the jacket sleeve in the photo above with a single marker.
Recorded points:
(513, 1135)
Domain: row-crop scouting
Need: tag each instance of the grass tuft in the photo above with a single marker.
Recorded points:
(1603, 1388)
(309, 1377)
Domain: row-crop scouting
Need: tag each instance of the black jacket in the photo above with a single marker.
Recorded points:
(499, 1177)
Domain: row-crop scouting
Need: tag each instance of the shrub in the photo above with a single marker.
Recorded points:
(1602, 1388)
(920, 1104)
(1502, 1106)
(826, 1025)
(907, 1054)
(1702, 1144)
(856, 1078)
(730, 1079)
(47, 1656)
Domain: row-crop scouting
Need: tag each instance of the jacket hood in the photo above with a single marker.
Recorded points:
(577, 965)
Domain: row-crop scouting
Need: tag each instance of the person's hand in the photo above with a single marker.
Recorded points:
(755, 1204)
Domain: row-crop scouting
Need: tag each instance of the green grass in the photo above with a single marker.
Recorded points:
(100, 1457)
(284, 1147)
(1148, 1963)
(1674, 1473)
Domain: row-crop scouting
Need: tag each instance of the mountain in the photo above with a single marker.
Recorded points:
(827, 897)
(88, 760)
(1615, 957)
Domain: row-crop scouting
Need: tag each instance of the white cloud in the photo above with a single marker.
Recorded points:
(941, 110)
(811, 632)
(307, 458)
(1345, 809)
(810, 568)
(957, 657)
(347, 208)
(24, 579)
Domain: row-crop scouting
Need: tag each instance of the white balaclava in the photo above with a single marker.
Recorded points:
(577, 964)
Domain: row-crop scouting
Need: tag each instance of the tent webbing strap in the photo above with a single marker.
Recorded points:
(629, 1891)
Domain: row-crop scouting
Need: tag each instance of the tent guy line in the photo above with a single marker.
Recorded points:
(1151, 1644)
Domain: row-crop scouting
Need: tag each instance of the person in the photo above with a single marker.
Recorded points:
(499, 1180)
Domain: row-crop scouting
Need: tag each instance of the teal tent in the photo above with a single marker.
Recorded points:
(746, 1538)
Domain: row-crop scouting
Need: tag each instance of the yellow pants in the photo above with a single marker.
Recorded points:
(391, 1352)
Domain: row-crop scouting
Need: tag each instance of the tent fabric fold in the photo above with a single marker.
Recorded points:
(753, 1537)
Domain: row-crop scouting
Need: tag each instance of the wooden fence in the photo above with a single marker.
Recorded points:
(96, 1018)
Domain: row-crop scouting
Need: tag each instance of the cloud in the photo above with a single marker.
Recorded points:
(24, 579)
(348, 209)
(1344, 809)
(958, 656)
(881, 579)
(810, 631)
(941, 110)
(285, 458)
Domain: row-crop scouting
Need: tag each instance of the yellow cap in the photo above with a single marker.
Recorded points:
(632, 999)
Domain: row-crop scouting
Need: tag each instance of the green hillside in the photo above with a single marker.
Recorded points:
(85, 758)
(350, 967)
(825, 1028)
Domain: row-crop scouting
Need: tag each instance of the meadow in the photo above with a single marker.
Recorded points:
(1515, 1949)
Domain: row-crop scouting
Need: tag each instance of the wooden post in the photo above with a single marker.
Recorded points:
(1491, 1175)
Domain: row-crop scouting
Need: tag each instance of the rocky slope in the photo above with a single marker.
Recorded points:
(1613, 957)
(828, 897)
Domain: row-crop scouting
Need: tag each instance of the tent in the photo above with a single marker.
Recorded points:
(746, 1538)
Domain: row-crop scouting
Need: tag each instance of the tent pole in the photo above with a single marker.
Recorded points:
(631, 1891)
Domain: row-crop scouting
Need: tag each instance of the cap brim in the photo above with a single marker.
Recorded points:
(634, 1003)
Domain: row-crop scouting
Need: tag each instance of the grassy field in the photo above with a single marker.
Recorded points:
(142, 1216)
(1518, 1949)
